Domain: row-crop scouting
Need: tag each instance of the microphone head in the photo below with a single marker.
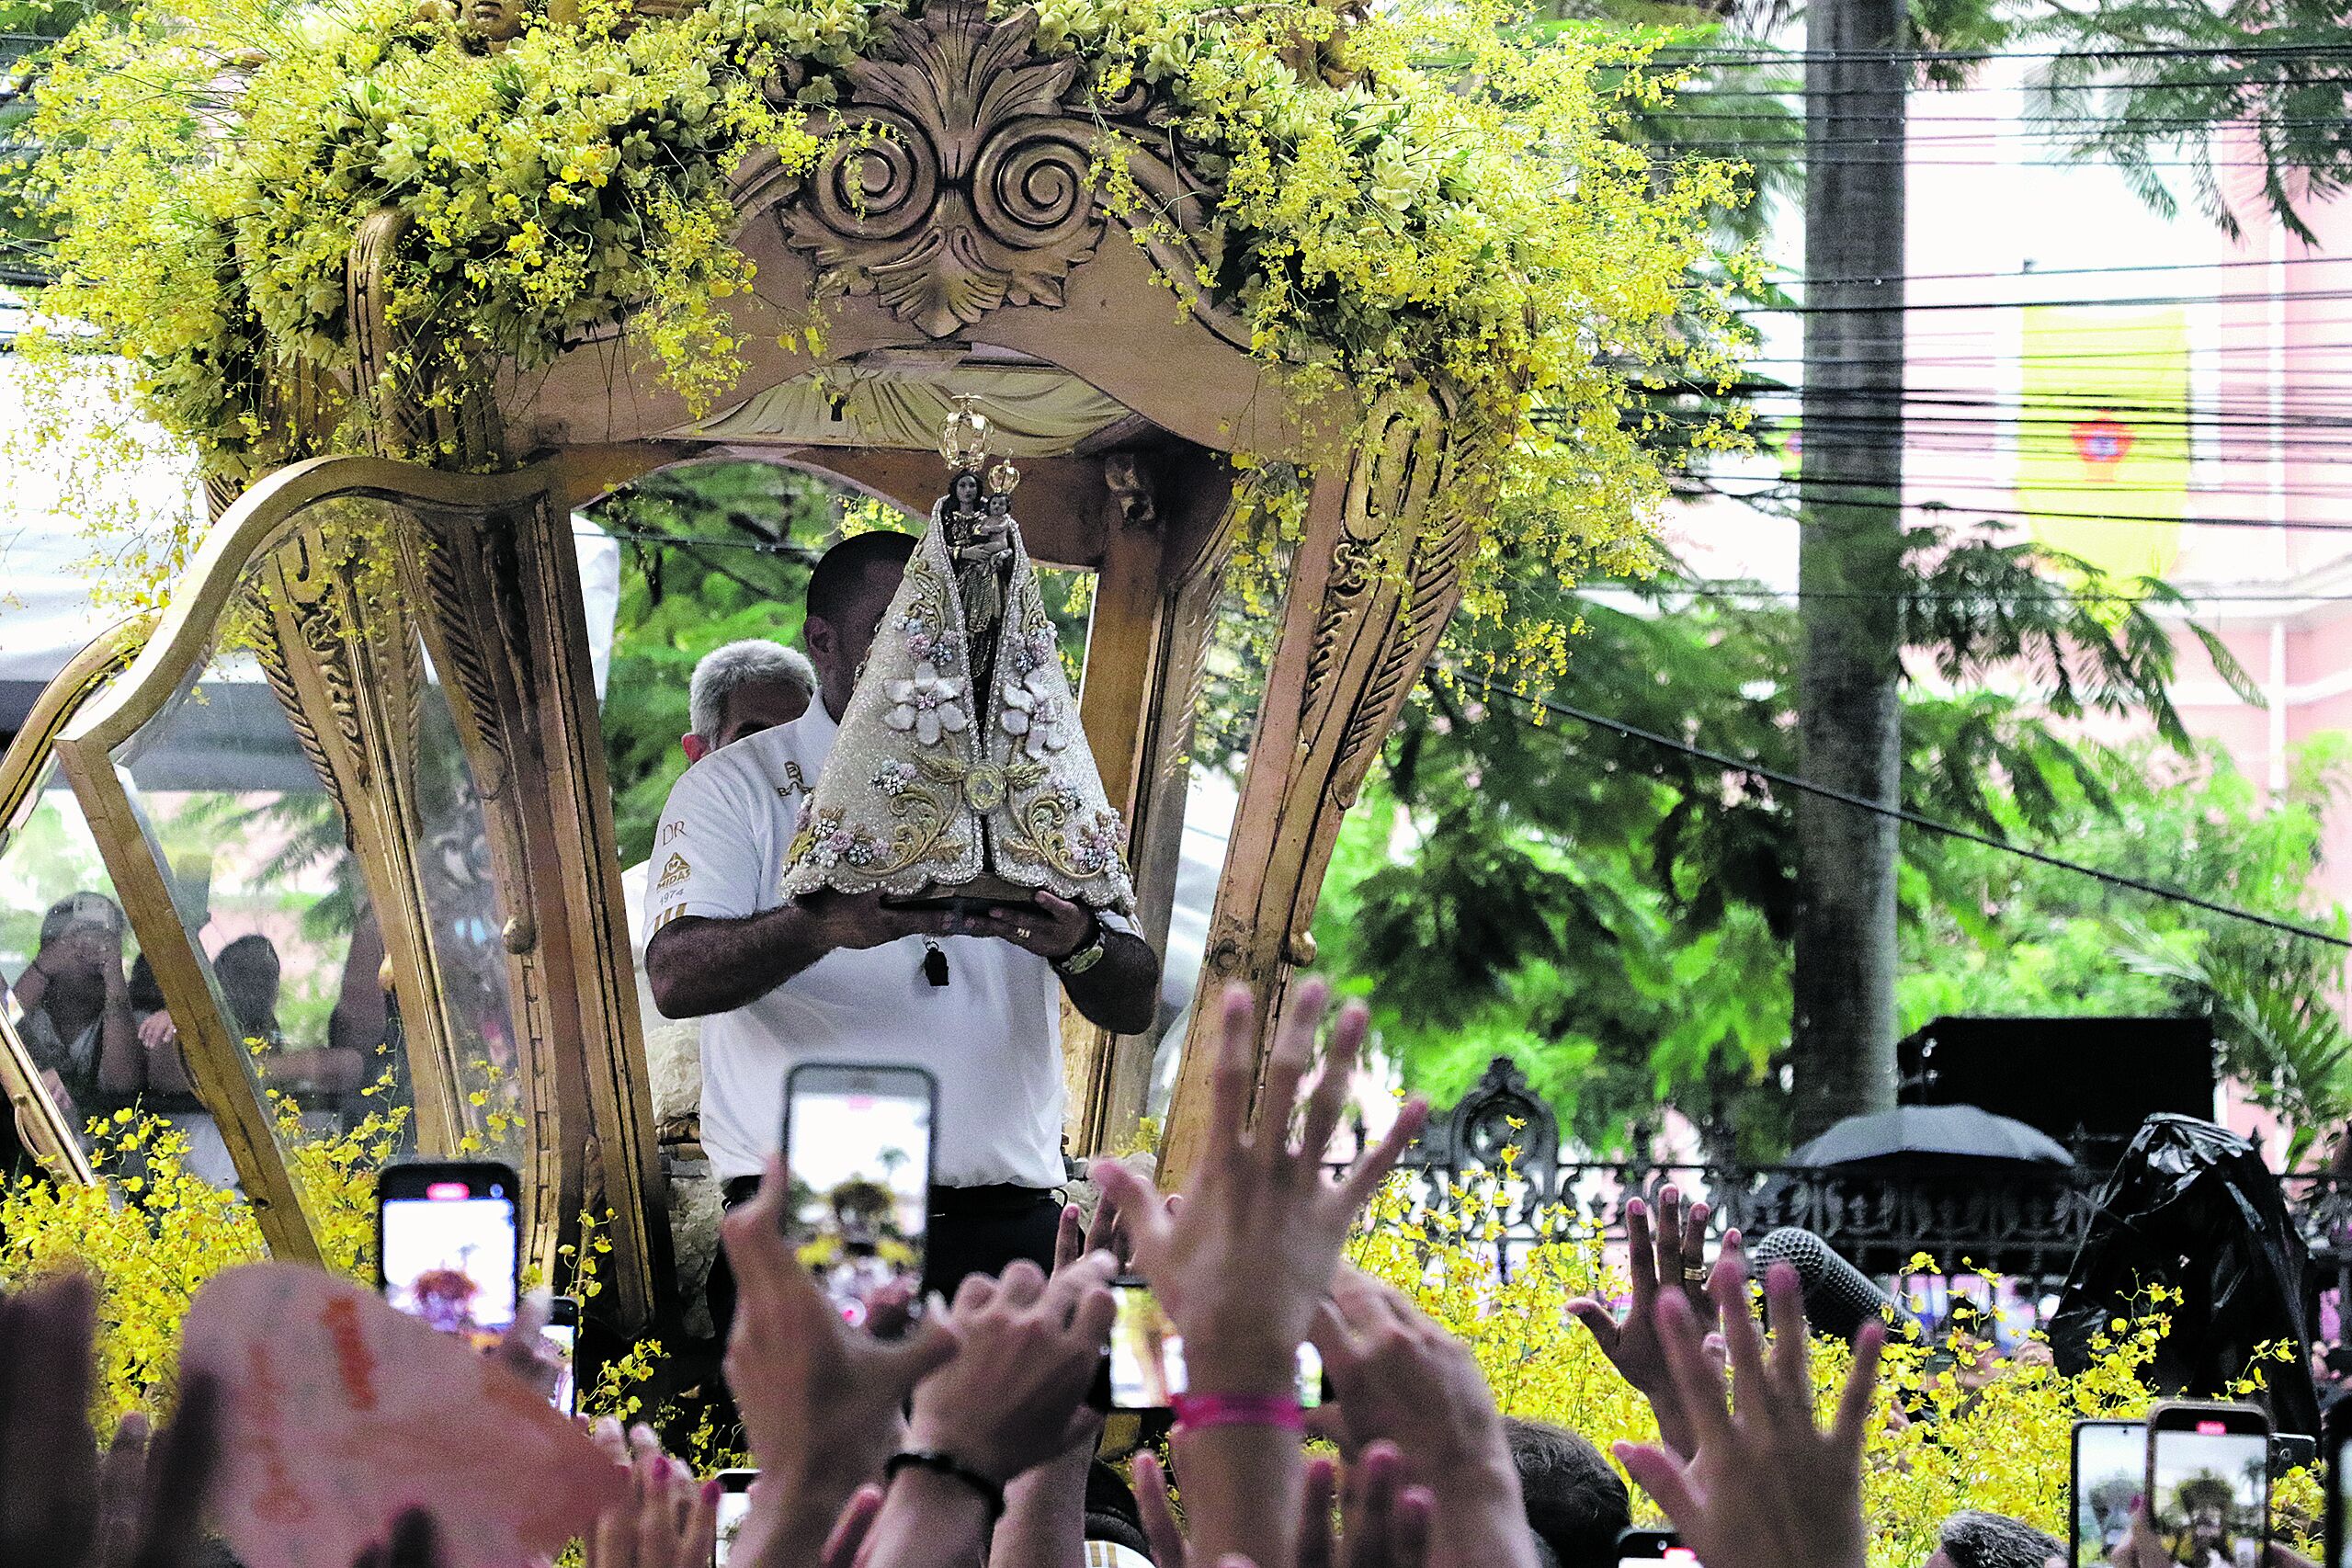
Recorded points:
(1839, 1297)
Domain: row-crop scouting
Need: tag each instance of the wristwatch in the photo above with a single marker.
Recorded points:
(1089, 950)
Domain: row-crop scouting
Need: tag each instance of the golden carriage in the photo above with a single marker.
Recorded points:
(966, 251)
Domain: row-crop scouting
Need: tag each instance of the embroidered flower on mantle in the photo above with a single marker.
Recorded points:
(1033, 713)
(926, 704)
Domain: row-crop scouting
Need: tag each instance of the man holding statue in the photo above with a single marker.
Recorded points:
(914, 871)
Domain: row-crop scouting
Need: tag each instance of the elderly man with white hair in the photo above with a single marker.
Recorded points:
(742, 688)
(736, 690)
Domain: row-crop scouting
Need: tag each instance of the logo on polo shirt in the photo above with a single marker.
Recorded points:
(673, 871)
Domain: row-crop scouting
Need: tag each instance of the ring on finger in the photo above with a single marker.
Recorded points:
(1022, 932)
(1694, 1273)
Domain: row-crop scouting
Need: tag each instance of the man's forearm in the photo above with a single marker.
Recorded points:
(1122, 992)
(701, 965)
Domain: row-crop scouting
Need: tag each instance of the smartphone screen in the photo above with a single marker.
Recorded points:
(446, 1245)
(858, 1143)
(1147, 1355)
(734, 1505)
(2110, 1467)
(560, 1343)
(2209, 1492)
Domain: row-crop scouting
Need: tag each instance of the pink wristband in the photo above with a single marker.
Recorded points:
(1195, 1412)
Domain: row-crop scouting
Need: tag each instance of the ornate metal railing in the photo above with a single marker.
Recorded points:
(2020, 1220)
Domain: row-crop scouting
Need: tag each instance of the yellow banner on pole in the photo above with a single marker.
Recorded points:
(2103, 435)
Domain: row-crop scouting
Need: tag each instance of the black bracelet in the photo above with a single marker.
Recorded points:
(955, 1470)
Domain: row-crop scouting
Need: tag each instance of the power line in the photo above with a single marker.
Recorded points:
(1951, 508)
(1754, 770)
(1734, 587)
(1800, 280)
(1763, 55)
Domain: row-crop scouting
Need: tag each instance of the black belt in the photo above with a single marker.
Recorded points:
(952, 1202)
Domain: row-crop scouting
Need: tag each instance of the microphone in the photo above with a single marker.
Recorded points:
(1839, 1297)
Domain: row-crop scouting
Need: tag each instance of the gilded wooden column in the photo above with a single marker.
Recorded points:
(1169, 525)
(350, 676)
(503, 622)
(1374, 582)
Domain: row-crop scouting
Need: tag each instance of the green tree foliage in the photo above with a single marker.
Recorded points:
(1614, 914)
(2182, 92)
(709, 554)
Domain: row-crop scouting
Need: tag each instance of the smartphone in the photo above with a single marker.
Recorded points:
(1147, 1355)
(858, 1141)
(2339, 1484)
(1653, 1548)
(2209, 1484)
(2111, 1465)
(446, 1245)
(560, 1343)
(734, 1505)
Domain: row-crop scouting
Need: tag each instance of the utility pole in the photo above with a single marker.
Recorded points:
(1849, 559)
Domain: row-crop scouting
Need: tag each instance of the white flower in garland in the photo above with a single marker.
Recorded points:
(927, 705)
(1031, 713)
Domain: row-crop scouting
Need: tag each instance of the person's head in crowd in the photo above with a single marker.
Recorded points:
(248, 971)
(1975, 1539)
(742, 689)
(848, 591)
(81, 934)
(1576, 1503)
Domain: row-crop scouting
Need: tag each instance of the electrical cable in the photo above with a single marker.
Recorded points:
(1752, 768)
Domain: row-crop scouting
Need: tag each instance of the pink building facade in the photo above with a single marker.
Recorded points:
(2146, 392)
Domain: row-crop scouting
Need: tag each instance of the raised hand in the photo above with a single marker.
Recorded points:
(1670, 1254)
(1241, 1265)
(669, 1522)
(820, 1400)
(1013, 1396)
(1406, 1382)
(1766, 1486)
(1045, 1511)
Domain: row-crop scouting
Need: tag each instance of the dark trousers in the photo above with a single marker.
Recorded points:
(974, 1230)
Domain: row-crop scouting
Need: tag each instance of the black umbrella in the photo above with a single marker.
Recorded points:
(1952, 1132)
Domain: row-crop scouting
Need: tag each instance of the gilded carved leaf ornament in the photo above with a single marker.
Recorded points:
(963, 186)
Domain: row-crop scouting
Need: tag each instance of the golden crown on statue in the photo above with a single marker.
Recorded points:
(964, 441)
(1002, 477)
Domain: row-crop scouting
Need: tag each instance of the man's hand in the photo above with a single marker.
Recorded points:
(1766, 1487)
(1013, 1396)
(819, 1400)
(1242, 1266)
(1671, 1256)
(859, 920)
(156, 1030)
(1405, 1382)
(1053, 929)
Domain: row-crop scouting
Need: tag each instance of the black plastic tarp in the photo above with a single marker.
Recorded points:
(2192, 1207)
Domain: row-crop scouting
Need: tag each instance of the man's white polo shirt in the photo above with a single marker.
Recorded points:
(991, 1035)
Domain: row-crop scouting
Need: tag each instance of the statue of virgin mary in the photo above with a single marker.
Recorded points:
(961, 770)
